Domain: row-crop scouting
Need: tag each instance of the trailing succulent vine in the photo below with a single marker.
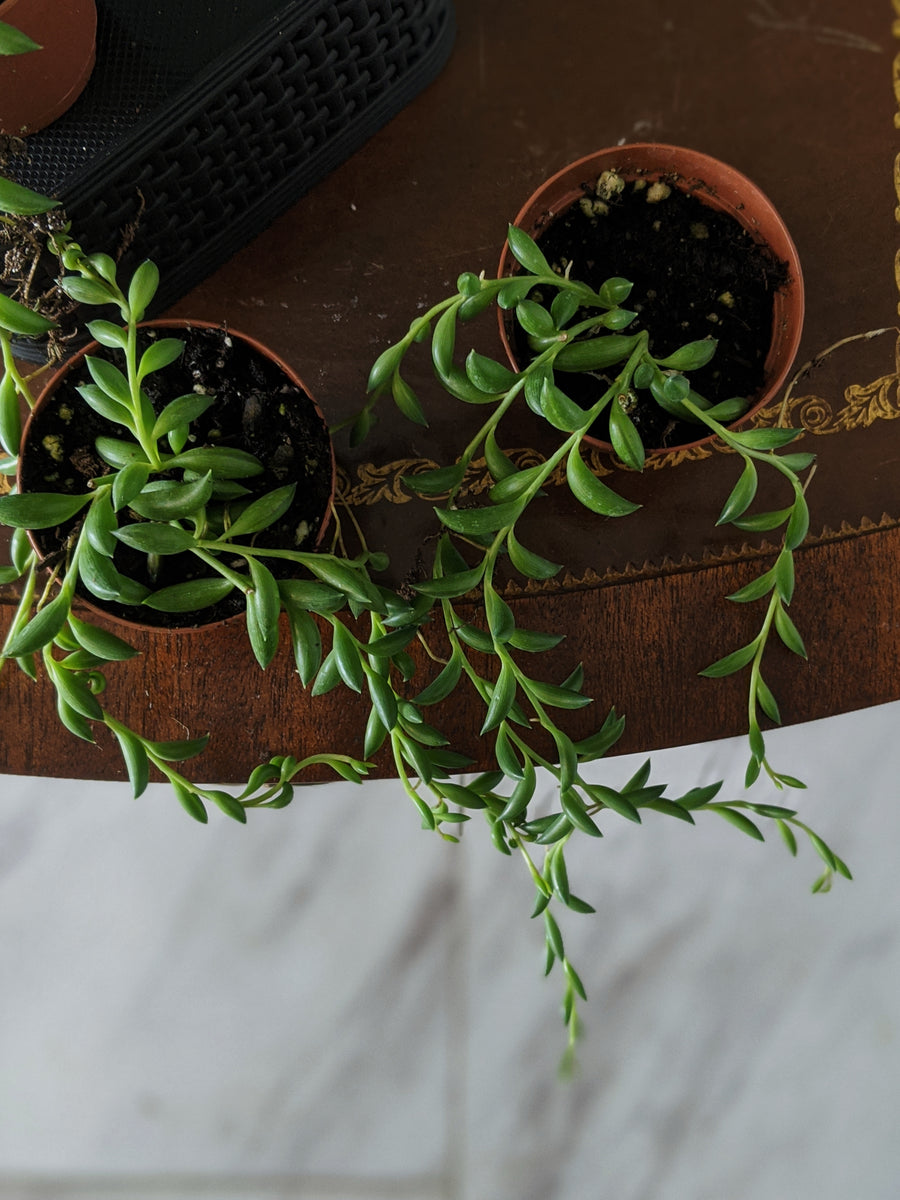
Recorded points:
(161, 498)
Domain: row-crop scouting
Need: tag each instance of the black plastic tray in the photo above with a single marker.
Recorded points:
(205, 119)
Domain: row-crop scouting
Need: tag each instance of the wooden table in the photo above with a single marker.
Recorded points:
(803, 105)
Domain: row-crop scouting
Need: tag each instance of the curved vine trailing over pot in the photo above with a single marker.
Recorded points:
(160, 499)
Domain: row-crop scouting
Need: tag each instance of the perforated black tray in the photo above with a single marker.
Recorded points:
(204, 119)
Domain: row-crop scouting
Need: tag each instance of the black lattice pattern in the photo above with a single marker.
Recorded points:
(204, 120)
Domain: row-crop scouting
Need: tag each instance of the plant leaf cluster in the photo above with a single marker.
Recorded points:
(571, 328)
(346, 630)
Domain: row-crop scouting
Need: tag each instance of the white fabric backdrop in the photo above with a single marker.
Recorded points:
(330, 1002)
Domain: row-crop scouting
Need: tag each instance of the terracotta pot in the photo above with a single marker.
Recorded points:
(172, 326)
(715, 184)
(38, 87)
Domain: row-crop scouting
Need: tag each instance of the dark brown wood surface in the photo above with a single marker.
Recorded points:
(799, 101)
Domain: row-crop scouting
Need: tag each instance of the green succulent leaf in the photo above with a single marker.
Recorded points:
(114, 337)
(384, 702)
(613, 291)
(88, 291)
(227, 804)
(40, 510)
(568, 759)
(191, 596)
(767, 701)
(503, 694)
(119, 453)
(591, 492)
(99, 641)
(798, 462)
(534, 641)
(142, 289)
(159, 354)
(310, 595)
(137, 762)
(443, 684)
(10, 415)
(784, 575)
(444, 341)
(763, 522)
(42, 628)
(577, 814)
(497, 462)
(527, 252)
(725, 411)
(391, 643)
(385, 365)
(788, 837)
(625, 439)
(669, 392)
(514, 290)
(306, 640)
(102, 579)
(129, 483)
(346, 656)
(407, 401)
(563, 307)
(731, 662)
(691, 356)
(557, 408)
(613, 800)
(535, 319)
(167, 499)
(97, 399)
(557, 697)
(354, 583)
(436, 482)
(529, 563)
(479, 520)
(788, 632)
(597, 744)
(263, 608)
(798, 523)
(22, 201)
(515, 485)
(224, 462)
(375, 734)
(739, 820)
(73, 720)
(755, 589)
(100, 523)
(190, 802)
(110, 380)
(501, 621)
(152, 538)
(262, 513)
(181, 411)
(487, 374)
(767, 439)
(741, 496)
(596, 353)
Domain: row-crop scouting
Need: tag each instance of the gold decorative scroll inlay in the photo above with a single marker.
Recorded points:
(861, 406)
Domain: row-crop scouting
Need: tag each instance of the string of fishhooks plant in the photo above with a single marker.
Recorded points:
(162, 492)
(564, 339)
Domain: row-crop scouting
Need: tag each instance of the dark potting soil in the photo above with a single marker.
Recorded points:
(257, 409)
(696, 273)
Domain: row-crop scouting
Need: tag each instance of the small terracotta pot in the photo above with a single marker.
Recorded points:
(714, 183)
(173, 325)
(38, 87)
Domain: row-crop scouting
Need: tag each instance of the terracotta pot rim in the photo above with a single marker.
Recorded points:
(46, 87)
(715, 183)
(95, 605)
